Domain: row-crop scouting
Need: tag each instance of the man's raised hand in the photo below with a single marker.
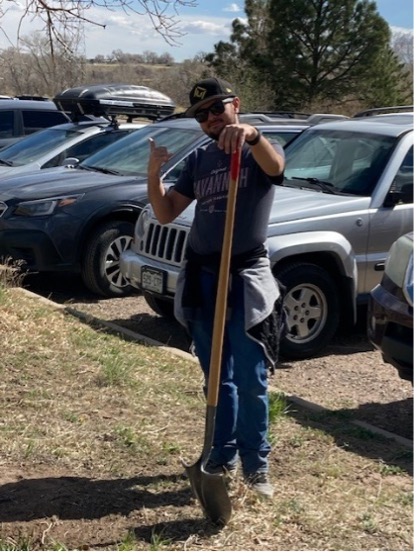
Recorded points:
(158, 157)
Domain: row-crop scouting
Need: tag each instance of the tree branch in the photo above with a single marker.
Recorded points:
(62, 14)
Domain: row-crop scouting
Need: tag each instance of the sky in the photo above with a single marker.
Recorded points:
(204, 25)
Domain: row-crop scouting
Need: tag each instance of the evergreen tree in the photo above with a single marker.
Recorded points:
(328, 49)
(312, 53)
(242, 61)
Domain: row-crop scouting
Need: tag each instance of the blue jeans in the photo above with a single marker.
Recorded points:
(241, 425)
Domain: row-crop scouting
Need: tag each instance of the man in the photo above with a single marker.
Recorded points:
(242, 413)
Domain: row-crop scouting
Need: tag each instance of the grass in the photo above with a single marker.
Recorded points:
(20, 544)
(93, 429)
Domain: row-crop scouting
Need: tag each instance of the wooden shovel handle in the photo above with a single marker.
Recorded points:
(222, 290)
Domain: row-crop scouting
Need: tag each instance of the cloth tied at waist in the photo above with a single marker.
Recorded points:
(269, 330)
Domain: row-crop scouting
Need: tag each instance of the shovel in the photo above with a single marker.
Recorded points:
(210, 489)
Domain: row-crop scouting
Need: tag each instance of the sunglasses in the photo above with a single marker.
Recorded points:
(217, 108)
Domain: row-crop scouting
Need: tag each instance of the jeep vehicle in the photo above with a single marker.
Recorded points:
(347, 195)
(80, 218)
(20, 117)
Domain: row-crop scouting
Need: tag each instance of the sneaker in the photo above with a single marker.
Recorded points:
(259, 482)
(229, 469)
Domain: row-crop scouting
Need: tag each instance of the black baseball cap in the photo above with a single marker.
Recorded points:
(211, 88)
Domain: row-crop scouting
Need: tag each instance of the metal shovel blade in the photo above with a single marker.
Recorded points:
(211, 492)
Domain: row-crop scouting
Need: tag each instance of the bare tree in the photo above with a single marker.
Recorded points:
(58, 16)
(64, 18)
(31, 68)
(403, 46)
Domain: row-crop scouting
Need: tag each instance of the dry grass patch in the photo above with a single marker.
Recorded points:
(92, 430)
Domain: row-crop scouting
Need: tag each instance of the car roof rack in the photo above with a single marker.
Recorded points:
(117, 99)
(261, 117)
(25, 97)
(383, 110)
(291, 117)
(274, 117)
(283, 117)
(277, 115)
(323, 118)
(31, 97)
(174, 116)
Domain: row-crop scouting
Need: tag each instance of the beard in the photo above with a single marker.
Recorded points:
(213, 135)
(224, 120)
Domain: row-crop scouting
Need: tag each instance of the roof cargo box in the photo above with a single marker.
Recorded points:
(133, 101)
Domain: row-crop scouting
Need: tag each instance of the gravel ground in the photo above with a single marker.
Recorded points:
(348, 376)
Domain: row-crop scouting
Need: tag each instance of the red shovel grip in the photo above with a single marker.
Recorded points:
(235, 164)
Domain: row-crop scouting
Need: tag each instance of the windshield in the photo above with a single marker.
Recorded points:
(283, 136)
(35, 145)
(350, 162)
(129, 156)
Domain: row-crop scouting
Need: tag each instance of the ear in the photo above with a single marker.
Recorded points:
(236, 104)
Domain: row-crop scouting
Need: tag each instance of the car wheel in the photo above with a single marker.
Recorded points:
(162, 307)
(312, 309)
(100, 267)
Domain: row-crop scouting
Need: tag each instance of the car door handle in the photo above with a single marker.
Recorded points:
(379, 266)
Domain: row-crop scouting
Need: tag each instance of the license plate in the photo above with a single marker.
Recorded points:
(153, 280)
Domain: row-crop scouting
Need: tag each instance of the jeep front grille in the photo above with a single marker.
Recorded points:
(164, 243)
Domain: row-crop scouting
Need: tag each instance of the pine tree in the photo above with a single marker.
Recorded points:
(311, 53)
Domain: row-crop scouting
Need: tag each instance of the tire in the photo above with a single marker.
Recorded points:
(162, 307)
(312, 309)
(100, 268)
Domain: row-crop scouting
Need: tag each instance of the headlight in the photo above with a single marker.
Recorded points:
(43, 207)
(143, 223)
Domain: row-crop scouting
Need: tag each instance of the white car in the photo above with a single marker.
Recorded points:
(55, 145)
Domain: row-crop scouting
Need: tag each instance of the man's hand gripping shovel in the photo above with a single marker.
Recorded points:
(210, 489)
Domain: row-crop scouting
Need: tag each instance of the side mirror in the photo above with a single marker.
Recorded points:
(70, 161)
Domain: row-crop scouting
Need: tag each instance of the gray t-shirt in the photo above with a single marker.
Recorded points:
(205, 178)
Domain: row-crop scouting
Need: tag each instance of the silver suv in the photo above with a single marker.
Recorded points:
(347, 195)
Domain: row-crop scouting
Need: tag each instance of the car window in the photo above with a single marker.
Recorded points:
(404, 179)
(313, 160)
(175, 172)
(363, 161)
(6, 123)
(130, 155)
(351, 161)
(281, 137)
(32, 147)
(34, 120)
(86, 148)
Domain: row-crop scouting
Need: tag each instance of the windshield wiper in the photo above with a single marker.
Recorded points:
(6, 162)
(325, 186)
(98, 169)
